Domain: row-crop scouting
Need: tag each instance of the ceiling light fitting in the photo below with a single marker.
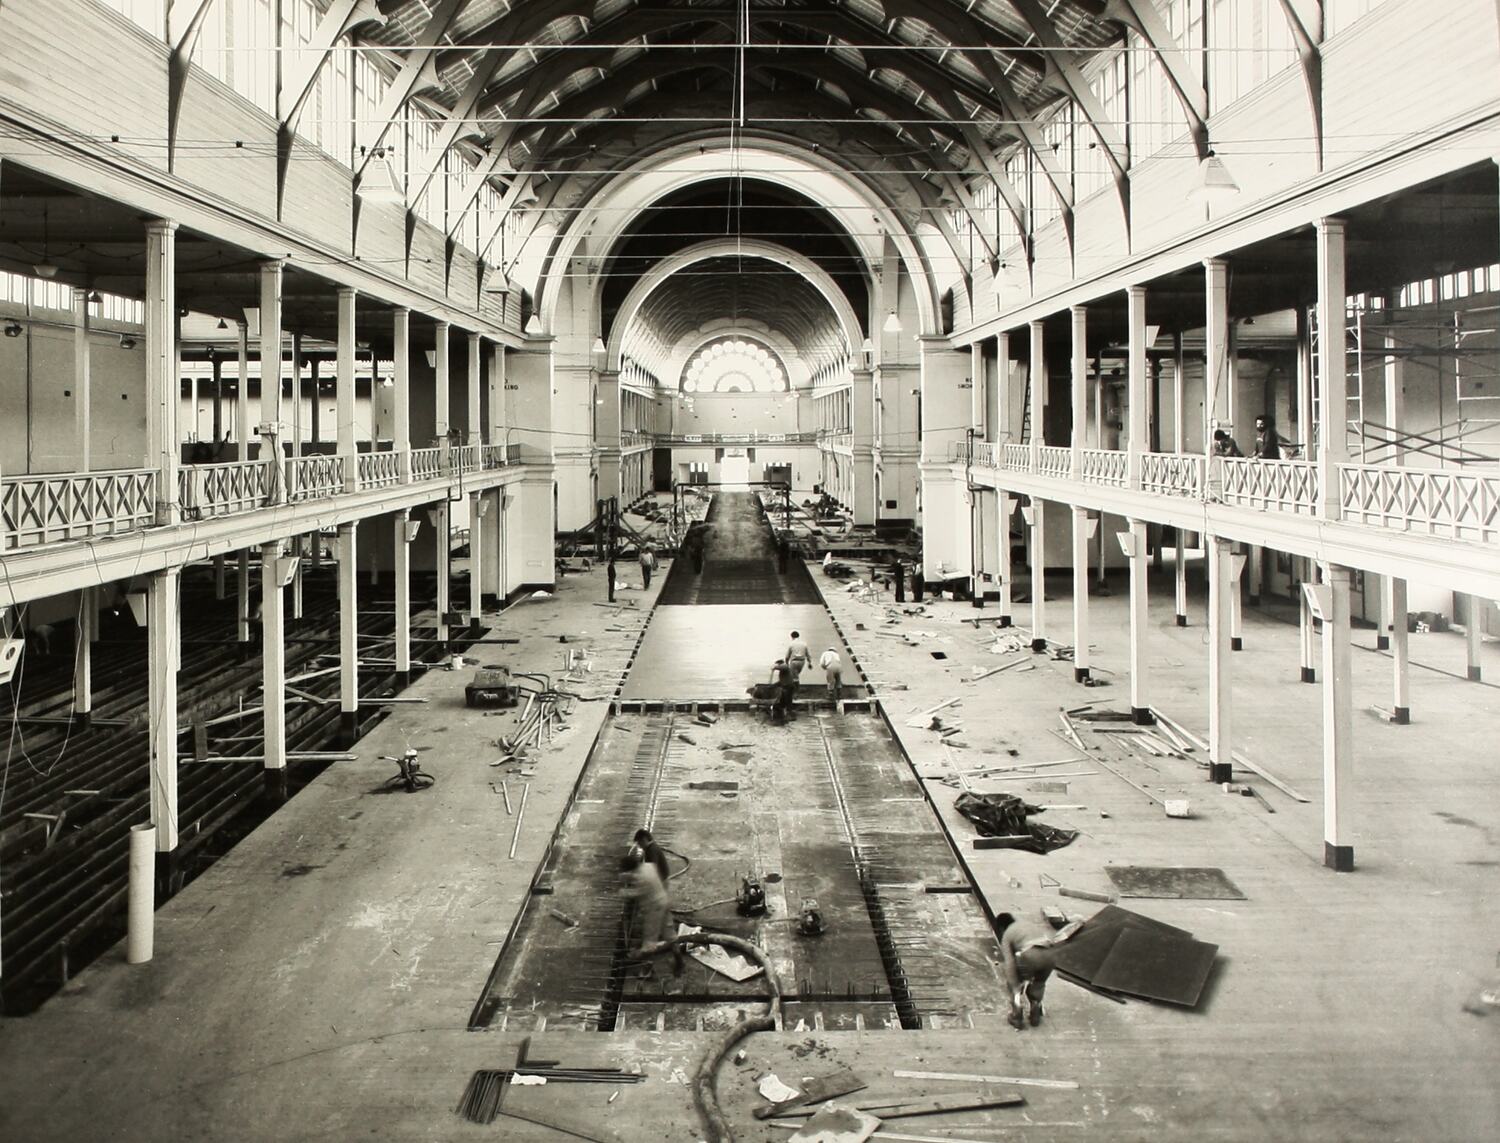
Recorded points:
(893, 323)
(14, 329)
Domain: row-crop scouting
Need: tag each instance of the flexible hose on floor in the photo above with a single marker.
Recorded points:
(705, 1098)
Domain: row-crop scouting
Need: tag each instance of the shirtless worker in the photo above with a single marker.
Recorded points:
(1029, 949)
(642, 885)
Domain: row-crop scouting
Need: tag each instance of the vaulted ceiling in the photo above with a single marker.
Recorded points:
(919, 96)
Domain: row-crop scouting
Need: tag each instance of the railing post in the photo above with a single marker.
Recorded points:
(440, 395)
(162, 385)
(1079, 389)
(1333, 366)
(401, 391)
(347, 446)
(1037, 383)
(270, 379)
(1137, 380)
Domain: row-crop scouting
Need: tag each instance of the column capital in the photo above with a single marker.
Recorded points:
(1079, 310)
(1135, 291)
(272, 265)
(401, 311)
(442, 326)
(348, 292)
(475, 337)
(1215, 264)
(160, 226)
(1331, 225)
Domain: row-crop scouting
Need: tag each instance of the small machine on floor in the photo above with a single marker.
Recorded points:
(491, 687)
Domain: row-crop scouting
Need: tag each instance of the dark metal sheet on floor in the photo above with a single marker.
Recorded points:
(1179, 883)
(1083, 955)
(1157, 966)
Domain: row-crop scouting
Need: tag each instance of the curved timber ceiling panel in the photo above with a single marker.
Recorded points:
(749, 293)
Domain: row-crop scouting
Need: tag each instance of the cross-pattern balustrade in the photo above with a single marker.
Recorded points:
(1455, 505)
(74, 506)
(1172, 473)
(1270, 485)
(314, 477)
(208, 490)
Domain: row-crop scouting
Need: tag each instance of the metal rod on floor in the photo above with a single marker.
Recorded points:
(516, 835)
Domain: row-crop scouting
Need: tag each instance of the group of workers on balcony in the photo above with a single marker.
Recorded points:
(1267, 441)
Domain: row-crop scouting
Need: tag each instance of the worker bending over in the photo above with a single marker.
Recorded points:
(652, 852)
(1029, 949)
(833, 673)
(642, 886)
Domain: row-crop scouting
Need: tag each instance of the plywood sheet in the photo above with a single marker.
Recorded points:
(1157, 966)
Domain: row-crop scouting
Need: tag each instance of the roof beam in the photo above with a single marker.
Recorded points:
(1062, 60)
(419, 67)
(1305, 19)
(179, 67)
(1142, 17)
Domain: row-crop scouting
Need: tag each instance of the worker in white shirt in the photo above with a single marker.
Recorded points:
(797, 657)
(833, 672)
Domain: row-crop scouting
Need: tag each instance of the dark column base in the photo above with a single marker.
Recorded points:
(474, 626)
(348, 727)
(1474, 673)
(275, 785)
(403, 679)
(168, 878)
(1339, 858)
(1182, 621)
(1038, 646)
(1220, 772)
(1309, 674)
(1005, 621)
(1236, 643)
(83, 719)
(1382, 642)
(1401, 716)
(1142, 716)
(1080, 674)
(1253, 600)
(488, 601)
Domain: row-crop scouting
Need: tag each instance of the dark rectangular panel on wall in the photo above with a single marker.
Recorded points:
(661, 469)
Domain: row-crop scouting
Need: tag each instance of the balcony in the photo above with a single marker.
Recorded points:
(56, 508)
(1450, 505)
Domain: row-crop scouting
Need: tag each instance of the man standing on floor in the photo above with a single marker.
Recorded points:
(898, 577)
(648, 562)
(781, 679)
(797, 656)
(833, 672)
(609, 576)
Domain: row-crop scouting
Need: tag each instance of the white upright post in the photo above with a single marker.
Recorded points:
(270, 379)
(401, 390)
(1400, 654)
(1179, 446)
(1140, 702)
(1138, 380)
(1308, 641)
(348, 447)
(1038, 575)
(82, 380)
(164, 656)
(348, 633)
(1037, 383)
(1080, 520)
(1338, 721)
(273, 661)
(476, 360)
(443, 539)
(1079, 387)
(1217, 411)
(163, 393)
(83, 662)
(1395, 421)
(442, 380)
(1220, 700)
(1006, 508)
(402, 562)
(1333, 363)
(1473, 624)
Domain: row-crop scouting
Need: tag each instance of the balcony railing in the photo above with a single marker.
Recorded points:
(1455, 505)
(1104, 466)
(1016, 457)
(463, 459)
(75, 506)
(1269, 485)
(58, 507)
(314, 477)
(1172, 473)
(208, 490)
(426, 463)
(1056, 462)
(378, 470)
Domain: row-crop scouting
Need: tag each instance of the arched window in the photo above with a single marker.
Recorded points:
(734, 365)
